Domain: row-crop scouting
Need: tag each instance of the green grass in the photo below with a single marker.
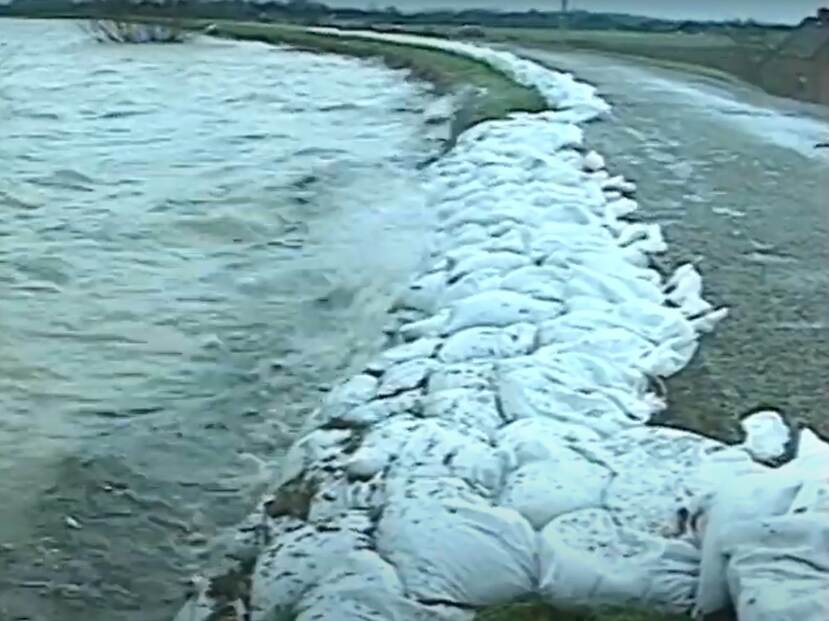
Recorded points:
(448, 72)
(712, 54)
(541, 612)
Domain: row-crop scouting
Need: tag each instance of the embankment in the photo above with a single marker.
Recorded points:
(500, 449)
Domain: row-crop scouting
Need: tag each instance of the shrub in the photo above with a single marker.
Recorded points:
(114, 31)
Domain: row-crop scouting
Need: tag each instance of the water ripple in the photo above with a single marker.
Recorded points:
(184, 232)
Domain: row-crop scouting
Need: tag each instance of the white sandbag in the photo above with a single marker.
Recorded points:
(540, 282)
(559, 240)
(340, 493)
(586, 559)
(408, 375)
(409, 402)
(360, 587)
(707, 323)
(608, 260)
(616, 343)
(645, 238)
(363, 587)
(611, 196)
(542, 490)
(638, 405)
(504, 211)
(453, 551)
(319, 445)
(488, 343)
(359, 389)
(738, 499)
(477, 375)
(512, 240)
(472, 283)
(742, 500)
(538, 439)
(669, 358)
(558, 209)
(423, 293)
(657, 323)
(531, 392)
(767, 435)
(619, 183)
(462, 236)
(594, 370)
(684, 288)
(433, 448)
(421, 348)
(438, 448)
(586, 281)
(778, 568)
(430, 326)
(498, 260)
(658, 474)
(620, 208)
(300, 559)
(593, 162)
(498, 308)
(470, 410)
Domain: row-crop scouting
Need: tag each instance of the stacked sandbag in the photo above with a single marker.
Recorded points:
(500, 448)
(765, 534)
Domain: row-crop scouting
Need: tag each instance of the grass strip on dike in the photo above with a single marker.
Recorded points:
(448, 72)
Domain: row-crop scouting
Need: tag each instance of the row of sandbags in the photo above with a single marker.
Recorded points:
(500, 449)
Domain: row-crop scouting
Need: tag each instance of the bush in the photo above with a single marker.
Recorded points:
(114, 31)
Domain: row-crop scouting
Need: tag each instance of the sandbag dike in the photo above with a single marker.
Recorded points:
(500, 449)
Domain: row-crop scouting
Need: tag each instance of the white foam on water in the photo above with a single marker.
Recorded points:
(502, 450)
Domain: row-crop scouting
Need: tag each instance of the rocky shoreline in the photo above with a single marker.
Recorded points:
(501, 448)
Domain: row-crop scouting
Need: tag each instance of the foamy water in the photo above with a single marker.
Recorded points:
(196, 240)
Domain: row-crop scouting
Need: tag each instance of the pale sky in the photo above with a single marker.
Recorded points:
(786, 11)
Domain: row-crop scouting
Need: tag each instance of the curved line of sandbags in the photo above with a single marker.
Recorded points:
(501, 450)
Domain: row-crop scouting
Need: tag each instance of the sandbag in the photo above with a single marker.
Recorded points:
(587, 559)
(471, 554)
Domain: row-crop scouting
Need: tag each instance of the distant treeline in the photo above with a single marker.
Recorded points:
(316, 13)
